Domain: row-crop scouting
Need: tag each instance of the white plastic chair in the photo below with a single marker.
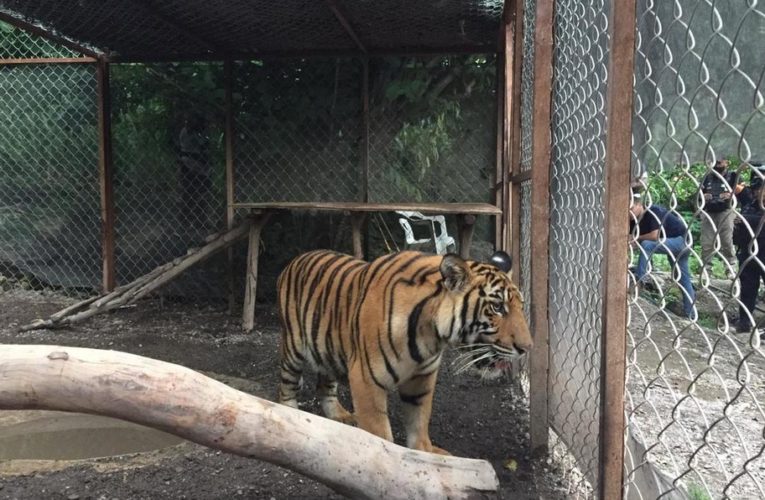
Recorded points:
(441, 239)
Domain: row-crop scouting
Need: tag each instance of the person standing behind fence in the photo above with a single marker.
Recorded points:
(663, 232)
(195, 183)
(717, 188)
(751, 257)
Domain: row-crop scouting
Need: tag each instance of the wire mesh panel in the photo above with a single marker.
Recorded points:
(49, 192)
(527, 83)
(576, 226)
(298, 130)
(18, 44)
(432, 129)
(525, 267)
(695, 359)
(168, 159)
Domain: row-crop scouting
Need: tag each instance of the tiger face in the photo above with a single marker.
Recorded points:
(489, 308)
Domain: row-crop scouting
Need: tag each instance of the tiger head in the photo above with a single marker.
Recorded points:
(486, 310)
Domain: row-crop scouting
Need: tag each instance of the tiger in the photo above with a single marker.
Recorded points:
(384, 325)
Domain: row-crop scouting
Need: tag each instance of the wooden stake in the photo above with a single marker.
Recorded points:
(250, 291)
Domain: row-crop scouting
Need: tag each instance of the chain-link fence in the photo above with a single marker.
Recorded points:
(49, 194)
(299, 134)
(695, 362)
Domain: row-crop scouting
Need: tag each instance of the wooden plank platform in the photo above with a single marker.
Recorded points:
(260, 213)
(425, 208)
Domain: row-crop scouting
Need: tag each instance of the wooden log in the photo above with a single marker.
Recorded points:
(183, 402)
(251, 284)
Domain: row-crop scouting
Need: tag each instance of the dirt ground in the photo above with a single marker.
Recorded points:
(471, 418)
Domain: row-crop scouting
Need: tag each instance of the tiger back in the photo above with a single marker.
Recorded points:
(385, 324)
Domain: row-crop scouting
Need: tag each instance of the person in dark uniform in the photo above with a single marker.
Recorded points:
(749, 237)
(718, 188)
(195, 182)
(661, 231)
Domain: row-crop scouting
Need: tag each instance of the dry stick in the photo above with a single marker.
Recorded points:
(142, 286)
(183, 402)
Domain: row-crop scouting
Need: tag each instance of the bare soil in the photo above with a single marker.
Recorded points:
(471, 418)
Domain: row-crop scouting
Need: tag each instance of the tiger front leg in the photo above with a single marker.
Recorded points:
(417, 397)
(370, 404)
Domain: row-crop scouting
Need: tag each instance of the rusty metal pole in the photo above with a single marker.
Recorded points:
(106, 177)
(616, 258)
(540, 225)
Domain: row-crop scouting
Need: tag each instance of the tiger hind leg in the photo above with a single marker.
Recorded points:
(326, 388)
(291, 380)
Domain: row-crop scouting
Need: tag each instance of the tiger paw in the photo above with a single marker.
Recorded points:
(347, 419)
(439, 451)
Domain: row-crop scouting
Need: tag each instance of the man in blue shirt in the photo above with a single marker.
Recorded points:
(663, 232)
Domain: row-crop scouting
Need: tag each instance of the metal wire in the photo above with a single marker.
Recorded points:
(298, 130)
(298, 136)
(694, 389)
(576, 226)
(169, 169)
(198, 27)
(49, 198)
(432, 133)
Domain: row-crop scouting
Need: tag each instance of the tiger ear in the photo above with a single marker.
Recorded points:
(502, 261)
(455, 272)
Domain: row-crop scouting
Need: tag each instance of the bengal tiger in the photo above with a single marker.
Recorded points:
(385, 325)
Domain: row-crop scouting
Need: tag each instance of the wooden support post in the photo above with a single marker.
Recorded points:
(248, 315)
(229, 142)
(466, 227)
(616, 259)
(500, 178)
(540, 225)
(106, 177)
(513, 111)
(357, 223)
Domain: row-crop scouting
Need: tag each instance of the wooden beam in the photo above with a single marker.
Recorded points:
(343, 20)
(288, 54)
(106, 177)
(500, 179)
(228, 106)
(48, 60)
(513, 144)
(48, 35)
(540, 224)
(616, 260)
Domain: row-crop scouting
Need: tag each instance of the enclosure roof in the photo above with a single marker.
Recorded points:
(188, 29)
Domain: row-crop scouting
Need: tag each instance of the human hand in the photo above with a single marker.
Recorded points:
(708, 196)
(725, 196)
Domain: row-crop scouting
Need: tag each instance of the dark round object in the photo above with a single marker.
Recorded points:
(502, 261)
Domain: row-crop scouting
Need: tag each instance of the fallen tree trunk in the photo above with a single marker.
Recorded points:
(142, 286)
(185, 403)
